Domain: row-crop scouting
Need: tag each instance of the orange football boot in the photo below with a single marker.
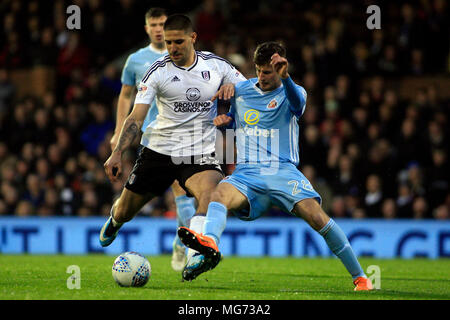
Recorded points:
(363, 284)
(199, 242)
(208, 253)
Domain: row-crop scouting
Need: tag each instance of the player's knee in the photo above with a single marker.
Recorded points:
(310, 211)
(223, 196)
(217, 195)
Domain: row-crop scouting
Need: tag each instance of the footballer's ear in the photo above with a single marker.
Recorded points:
(194, 37)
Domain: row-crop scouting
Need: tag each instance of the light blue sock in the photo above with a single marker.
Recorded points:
(185, 211)
(338, 243)
(216, 219)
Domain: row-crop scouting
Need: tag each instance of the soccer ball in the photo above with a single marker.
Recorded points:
(131, 269)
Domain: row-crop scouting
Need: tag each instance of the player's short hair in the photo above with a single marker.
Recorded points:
(178, 22)
(155, 13)
(264, 52)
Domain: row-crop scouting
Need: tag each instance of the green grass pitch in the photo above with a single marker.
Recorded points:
(45, 278)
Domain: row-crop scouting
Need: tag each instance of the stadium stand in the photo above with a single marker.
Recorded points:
(374, 137)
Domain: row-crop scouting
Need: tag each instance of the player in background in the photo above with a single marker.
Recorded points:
(265, 111)
(180, 143)
(135, 67)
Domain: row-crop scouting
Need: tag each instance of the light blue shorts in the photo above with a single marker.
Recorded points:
(284, 188)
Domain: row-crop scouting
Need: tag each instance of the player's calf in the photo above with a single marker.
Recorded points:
(335, 238)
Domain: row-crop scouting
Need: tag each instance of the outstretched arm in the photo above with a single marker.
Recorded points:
(123, 109)
(129, 131)
(225, 92)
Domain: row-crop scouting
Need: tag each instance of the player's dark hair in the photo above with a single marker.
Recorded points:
(266, 50)
(155, 13)
(178, 22)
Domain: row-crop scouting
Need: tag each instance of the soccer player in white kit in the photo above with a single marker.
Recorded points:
(180, 143)
(134, 70)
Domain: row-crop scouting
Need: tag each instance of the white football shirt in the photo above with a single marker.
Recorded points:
(184, 125)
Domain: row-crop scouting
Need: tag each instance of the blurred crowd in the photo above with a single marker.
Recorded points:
(367, 149)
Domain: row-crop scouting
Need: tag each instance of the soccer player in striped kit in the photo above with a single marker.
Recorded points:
(135, 67)
(180, 143)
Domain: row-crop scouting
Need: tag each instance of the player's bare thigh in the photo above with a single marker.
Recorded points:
(201, 185)
(230, 196)
(311, 211)
(128, 205)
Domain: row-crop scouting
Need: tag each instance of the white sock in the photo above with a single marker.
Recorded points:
(197, 226)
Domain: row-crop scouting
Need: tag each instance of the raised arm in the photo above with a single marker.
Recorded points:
(296, 95)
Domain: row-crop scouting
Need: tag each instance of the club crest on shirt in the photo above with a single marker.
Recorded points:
(206, 75)
(272, 104)
(132, 178)
(193, 94)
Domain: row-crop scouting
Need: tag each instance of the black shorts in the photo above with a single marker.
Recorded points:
(154, 172)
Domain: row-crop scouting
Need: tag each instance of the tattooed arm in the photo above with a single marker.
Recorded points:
(130, 130)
